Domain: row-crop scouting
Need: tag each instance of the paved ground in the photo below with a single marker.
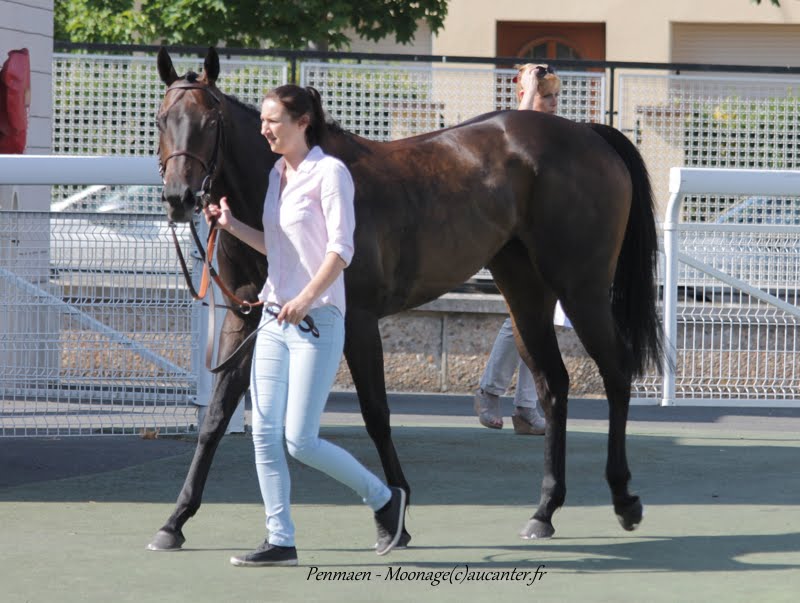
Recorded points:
(721, 490)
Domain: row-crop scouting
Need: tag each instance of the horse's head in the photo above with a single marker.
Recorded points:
(190, 125)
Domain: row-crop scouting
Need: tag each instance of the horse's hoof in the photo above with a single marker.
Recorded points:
(167, 541)
(630, 515)
(536, 529)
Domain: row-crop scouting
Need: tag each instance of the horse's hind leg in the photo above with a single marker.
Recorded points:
(228, 390)
(591, 317)
(532, 305)
(364, 353)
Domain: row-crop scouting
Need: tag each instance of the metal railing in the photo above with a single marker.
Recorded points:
(98, 334)
(733, 344)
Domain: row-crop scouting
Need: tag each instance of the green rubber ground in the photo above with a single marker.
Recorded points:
(721, 491)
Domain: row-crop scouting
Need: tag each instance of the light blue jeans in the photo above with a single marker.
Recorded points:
(292, 374)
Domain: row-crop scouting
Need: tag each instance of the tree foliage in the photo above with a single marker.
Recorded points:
(292, 24)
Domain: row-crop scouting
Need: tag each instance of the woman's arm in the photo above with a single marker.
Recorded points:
(296, 309)
(529, 85)
(224, 218)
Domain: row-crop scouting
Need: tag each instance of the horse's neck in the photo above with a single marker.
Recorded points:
(347, 146)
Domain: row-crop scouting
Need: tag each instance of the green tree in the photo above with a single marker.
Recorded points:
(292, 24)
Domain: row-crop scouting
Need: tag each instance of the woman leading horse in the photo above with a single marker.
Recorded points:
(555, 209)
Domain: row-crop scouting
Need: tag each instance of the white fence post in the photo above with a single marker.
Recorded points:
(671, 247)
(205, 379)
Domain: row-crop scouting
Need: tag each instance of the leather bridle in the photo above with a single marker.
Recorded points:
(211, 167)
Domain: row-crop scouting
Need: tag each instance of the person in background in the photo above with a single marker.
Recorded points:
(538, 89)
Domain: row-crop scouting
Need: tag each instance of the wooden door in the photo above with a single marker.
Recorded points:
(543, 41)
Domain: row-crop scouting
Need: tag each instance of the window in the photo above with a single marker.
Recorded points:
(548, 49)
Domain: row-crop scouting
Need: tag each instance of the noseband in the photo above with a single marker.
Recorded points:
(209, 167)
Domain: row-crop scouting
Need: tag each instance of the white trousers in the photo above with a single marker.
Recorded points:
(504, 360)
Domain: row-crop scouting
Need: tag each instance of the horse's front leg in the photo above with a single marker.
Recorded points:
(364, 353)
(230, 386)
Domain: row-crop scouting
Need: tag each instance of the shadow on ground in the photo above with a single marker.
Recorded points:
(445, 466)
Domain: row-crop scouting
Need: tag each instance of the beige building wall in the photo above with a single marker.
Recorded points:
(636, 30)
(422, 43)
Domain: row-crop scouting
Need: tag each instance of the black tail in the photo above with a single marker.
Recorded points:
(634, 293)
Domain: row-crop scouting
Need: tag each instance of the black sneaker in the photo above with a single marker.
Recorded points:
(389, 521)
(267, 554)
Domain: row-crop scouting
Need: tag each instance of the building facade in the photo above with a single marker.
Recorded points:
(710, 31)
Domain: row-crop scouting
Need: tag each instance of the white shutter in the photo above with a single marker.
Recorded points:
(732, 44)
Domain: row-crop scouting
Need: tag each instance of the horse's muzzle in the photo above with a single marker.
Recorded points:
(179, 202)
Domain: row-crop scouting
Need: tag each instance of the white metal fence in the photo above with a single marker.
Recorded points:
(732, 287)
(386, 102)
(106, 105)
(84, 323)
(727, 121)
(97, 332)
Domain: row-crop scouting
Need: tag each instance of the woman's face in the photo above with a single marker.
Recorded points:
(547, 103)
(284, 134)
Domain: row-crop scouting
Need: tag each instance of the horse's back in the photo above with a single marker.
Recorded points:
(435, 208)
(577, 207)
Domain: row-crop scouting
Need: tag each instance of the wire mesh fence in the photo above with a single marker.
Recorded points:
(387, 102)
(107, 105)
(727, 121)
(97, 331)
(96, 326)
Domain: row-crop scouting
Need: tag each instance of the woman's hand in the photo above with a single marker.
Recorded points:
(528, 81)
(529, 85)
(219, 214)
(294, 311)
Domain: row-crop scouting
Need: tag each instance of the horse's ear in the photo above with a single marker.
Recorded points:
(211, 66)
(165, 68)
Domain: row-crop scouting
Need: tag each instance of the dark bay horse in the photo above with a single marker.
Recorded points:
(555, 209)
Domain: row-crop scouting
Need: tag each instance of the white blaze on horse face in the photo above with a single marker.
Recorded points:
(284, 134)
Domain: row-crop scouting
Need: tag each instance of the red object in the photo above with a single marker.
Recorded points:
(15, 98)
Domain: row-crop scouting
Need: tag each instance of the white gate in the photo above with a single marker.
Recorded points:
(732, 288)
(97, 331)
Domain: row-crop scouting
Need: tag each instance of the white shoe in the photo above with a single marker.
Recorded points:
(528, 422)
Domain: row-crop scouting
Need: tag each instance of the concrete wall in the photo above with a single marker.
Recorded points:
(443, 346)
(29, 24)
